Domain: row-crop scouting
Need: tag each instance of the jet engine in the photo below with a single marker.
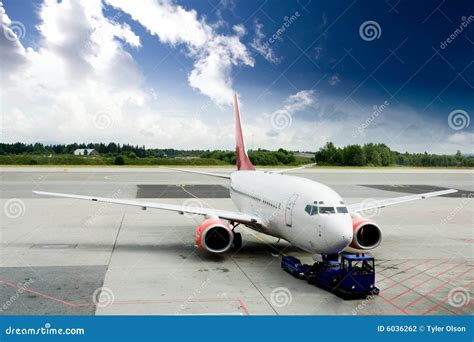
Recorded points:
(214, 235)
(367, 234)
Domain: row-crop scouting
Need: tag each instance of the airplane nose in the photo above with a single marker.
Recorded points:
(338, 235)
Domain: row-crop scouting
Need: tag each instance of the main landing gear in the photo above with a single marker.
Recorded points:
(237, 243)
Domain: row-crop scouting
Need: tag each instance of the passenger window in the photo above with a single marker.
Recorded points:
(326, 210)
(342, 210)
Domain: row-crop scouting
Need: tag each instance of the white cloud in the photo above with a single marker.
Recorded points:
(80, 68)
(80, 84)
(239, 30)
(282, 118)
(333, 80)
(262, 46)
(214, 54)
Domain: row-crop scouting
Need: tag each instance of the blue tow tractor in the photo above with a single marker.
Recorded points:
(349, 276)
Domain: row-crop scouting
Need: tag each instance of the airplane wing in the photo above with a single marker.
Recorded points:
(294, 168)
(220, 175)
(358, 207)
(233, 216)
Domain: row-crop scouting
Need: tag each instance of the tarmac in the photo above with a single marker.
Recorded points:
(72, 257)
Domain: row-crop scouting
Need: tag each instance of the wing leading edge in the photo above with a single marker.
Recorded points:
(233, 216)
(358, 207)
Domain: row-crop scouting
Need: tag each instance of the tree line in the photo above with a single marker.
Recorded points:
(381, 155)
(350, 155)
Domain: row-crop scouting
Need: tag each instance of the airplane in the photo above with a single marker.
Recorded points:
(307, 214)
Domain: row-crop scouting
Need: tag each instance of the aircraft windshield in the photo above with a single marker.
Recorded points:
(326, 210)
(342, 210)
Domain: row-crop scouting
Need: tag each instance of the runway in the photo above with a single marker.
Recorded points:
(71, 257)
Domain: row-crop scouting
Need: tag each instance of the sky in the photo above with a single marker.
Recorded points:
(162, 73)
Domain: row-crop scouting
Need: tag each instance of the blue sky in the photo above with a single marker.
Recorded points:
(162, 73)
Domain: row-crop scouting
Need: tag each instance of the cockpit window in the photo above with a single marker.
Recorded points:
(311, 209)
(342, 210)
(326, 210)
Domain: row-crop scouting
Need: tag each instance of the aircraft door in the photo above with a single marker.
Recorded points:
(289, 209)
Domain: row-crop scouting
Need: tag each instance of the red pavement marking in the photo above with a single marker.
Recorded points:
(425, 281)
(396, 282)
(444, 302)
(169, 301)
(433, 290)
(393, 304)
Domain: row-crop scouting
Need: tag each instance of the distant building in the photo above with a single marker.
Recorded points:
(307, 155)
(85, 152)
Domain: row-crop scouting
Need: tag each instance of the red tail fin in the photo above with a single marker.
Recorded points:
(242, 160)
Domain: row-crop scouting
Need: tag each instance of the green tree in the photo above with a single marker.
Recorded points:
(119, 160)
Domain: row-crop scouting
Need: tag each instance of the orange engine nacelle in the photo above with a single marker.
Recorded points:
(215, 236)
(367, 234)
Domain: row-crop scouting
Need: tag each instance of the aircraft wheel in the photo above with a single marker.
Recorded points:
(237, 244)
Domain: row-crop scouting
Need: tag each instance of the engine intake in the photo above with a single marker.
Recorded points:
(214, 235)
(367, 234)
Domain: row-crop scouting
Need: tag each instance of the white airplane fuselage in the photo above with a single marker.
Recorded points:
(282, 202)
